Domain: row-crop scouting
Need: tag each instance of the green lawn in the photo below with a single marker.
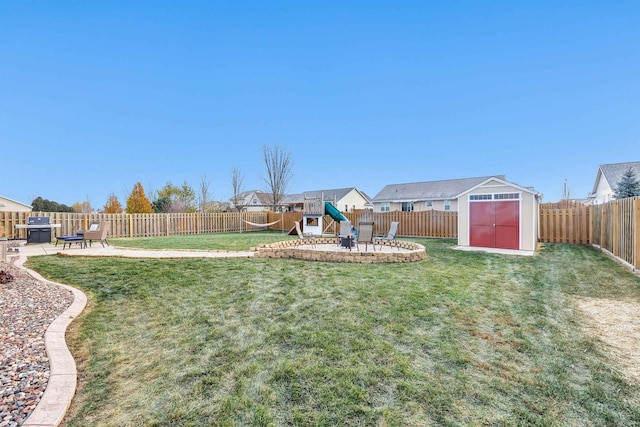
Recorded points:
(459, 339)
(220, 241)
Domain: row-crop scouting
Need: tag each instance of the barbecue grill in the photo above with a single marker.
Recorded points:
(38, 229)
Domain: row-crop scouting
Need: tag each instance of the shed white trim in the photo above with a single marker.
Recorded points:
(502, 182)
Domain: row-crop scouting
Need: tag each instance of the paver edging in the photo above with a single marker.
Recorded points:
(61, 386)
(288, 249)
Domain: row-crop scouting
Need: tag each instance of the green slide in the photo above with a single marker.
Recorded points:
(333, 212)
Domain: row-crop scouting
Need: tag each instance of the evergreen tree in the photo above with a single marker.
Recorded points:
(113, 204)
(138, 201)
(629, 186)
(161, 204)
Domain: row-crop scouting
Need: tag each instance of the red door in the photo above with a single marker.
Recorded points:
(481, 224)
(495, 224)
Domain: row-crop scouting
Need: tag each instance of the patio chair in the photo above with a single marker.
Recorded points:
(391, 235)
(305, 237)
(365, 235)
(97, 231)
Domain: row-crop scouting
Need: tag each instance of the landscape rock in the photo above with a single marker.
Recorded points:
(27, 307)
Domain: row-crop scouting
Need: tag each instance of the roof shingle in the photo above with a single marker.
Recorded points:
(429, 190)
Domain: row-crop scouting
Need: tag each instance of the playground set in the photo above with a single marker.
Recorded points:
(313, 216)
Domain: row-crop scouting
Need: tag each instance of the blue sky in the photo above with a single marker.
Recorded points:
(96, 96)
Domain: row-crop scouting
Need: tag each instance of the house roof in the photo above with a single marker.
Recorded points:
(14, 201)
(613, 173)
(328, 195)
(263, 198)
(429, 190)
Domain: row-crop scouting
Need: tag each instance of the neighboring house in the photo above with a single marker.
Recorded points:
(423, 196)
(345, 199)
(216, 206)
(251, 201)
(8, 205)
(607, 179)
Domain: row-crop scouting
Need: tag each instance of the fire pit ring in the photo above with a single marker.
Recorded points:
(328, 249)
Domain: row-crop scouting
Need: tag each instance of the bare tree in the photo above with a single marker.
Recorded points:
(237, 185)
(204, 192)
(279, 168)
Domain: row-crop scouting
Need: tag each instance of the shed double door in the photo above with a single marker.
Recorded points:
(495, 224)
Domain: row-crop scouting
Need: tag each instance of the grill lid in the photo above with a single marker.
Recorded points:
(39, 220)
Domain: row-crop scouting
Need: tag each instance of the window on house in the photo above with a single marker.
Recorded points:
(407, 206)
(428, 203)
(384, 207)
(506, 196)
(447, 205)
(346, 208)
(480, 197)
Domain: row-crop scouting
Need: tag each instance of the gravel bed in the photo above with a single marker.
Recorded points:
(27, 307)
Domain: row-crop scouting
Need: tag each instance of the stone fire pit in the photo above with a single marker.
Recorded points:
(328, 249)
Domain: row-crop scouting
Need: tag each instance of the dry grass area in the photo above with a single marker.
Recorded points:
(616, 323)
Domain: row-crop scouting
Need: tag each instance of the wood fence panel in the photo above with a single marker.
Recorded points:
(570, 225)
(624, 229)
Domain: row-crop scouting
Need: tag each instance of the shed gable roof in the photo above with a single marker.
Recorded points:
(501, 182)
(429, 190)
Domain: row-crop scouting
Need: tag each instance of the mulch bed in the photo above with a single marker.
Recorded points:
(27, 307)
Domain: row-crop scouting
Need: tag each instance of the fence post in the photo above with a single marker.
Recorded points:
(166, 217)
(616, 229)
(590, 216)
(636, 232)
(603, 218)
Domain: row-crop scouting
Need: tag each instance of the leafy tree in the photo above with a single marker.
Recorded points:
(138, 201)
(82, 207)
(39, 204)
(113, 204)
(279, 168)
(629, 186)
(43, 205)
(175, 199)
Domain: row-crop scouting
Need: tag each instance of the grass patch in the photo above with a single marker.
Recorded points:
(460, 339)
(219, 241)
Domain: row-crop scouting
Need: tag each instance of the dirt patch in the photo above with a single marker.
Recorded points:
(617, 324)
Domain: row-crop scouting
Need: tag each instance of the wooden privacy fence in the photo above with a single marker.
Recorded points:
(617, 229)
(422, 224)
(569, 225)
(137, 225)
(613, 226)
